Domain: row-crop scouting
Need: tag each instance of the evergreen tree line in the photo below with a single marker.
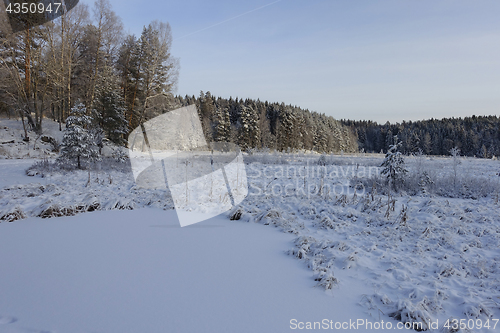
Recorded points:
(256, 124)
(475, 136)
(85, 57)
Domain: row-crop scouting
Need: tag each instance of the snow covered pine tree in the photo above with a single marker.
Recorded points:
(222, 132)
(78, 143)
(109, 109)
(394, 166)
(249, 131)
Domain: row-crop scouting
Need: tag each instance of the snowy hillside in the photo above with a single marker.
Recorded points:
(39, 146)
(12, 144)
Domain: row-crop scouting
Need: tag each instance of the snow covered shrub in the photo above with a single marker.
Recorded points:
(322, 160)
(420, 178)
(308, 211)
(54, 145)
(79, 143)
(302, 246)
(415, 316)
(236, 214)
(478, 310)
(120, 155)
(268, 217)
(275, 217)
(39, 168)
(339, 245)
(319, 266)
(425, 183)
(403, 216)
(455, 152)
(351, 260)
(393, 166)
(121, 204)
(55, 210)
(467, 187)
(325, 223)
(16, 213)
(108, 164)
(244, 213)
(373, 184)
(419, 162)
(90, 203)
(327, 281)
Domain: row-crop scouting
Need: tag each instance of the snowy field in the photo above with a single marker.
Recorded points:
(116, 260)
(427, 259)
(138, 271)
(13, 172)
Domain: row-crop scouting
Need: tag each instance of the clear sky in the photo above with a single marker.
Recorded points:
(385, 60)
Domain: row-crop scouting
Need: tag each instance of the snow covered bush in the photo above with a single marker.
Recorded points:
(416, 316)
(39, 168)
(322, 160)
(120, 156)
(275, 217)
(466, 186)
(327, 281)
(117, 162)
(393, 166)
(13, 214)
(455, 153)
(53, 142)
(79, 141)
(326, 222)
(56, 210)
(236, 213)
(425, 183)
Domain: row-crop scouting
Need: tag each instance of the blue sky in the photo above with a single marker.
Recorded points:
(388, 60)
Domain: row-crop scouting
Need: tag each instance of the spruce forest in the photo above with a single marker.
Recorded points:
(475, 136)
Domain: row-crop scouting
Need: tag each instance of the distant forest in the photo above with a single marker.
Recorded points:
(474, 136)
(255, 124)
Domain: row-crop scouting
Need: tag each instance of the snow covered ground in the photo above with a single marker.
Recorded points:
(427, 259)
(13, 172)
(138, 271)
(424, 256)
(63, 193)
